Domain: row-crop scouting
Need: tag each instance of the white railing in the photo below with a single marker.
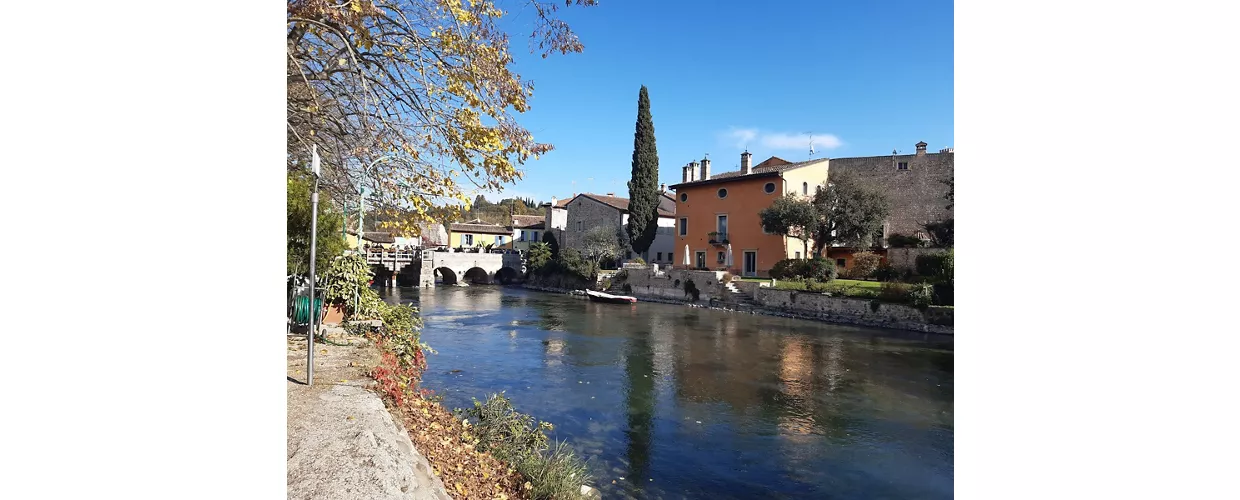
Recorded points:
(381, 257)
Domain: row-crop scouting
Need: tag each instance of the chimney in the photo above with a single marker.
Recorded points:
(693, 171)
(684, 173)
(662, 189)
(705, 168)
(608, 194)
(921, 148)
(747, 162)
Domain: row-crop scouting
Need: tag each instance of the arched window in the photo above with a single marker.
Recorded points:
(805, 188)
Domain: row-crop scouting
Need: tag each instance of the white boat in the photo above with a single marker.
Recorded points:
(609, 298)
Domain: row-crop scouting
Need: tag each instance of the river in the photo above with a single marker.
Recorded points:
(676, 402)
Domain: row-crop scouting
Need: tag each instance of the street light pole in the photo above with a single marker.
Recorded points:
(314, 230)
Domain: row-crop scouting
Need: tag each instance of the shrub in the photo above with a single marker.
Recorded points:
(638, 260)
(814, 286)
(904, 241)
(784, 269)
(921, 295)
(864, 265)
(942, 233)
(886, 273)
(894, 292)
(727, 278)
(347, 276)
(515, 438)
(692, 290)
(937, 266)
(552, 244)
(538, 257)
(819, 269)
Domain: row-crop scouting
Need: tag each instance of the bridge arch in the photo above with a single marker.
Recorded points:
(445, 275)
(477, 275)
(507, 275)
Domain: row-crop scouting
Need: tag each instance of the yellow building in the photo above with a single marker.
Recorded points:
(478, 233)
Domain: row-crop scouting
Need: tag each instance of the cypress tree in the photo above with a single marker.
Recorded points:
(644, 184)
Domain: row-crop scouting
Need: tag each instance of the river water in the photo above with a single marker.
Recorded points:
(676, 402)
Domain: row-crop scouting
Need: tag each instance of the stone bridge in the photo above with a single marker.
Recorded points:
(426, 268)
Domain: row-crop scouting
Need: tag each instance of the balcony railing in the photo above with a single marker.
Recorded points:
(717, 237)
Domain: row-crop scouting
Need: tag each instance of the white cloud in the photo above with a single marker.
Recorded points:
(754, 138)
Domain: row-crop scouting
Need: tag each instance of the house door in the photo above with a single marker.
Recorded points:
(750, 267)
(701, 260)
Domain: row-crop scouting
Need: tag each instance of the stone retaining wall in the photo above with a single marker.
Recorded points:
(905, 259)
(856, 311)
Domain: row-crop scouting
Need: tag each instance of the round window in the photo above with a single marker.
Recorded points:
(723, 193)
(769, 187)
(684, 197)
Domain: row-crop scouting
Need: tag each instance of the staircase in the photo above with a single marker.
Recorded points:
(735, 295)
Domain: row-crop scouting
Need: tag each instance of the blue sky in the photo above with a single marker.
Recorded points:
(863, 77)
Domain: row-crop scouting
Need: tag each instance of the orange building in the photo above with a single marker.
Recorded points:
(717, 221)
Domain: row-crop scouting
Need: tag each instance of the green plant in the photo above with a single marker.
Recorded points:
(886, 273)
(347, 276)
(638, 260)
(864, 265)
(516, 438)
(369, 305)
(921, 295)
(893, 291)
(692, 290)
(904, 241)
(814, 286)
(819, 269)
(538, 257)
(644, 195)
(944, 294)
(329, 243)
(937, 266)
(942, 233)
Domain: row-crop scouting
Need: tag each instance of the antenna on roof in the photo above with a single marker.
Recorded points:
(811, 146)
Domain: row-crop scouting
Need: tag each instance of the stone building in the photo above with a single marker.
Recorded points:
(913, 184)
(587, 211)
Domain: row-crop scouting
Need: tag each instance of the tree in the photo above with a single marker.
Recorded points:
(790, 216)
(644, 184)
(552, 243)
(330, 228)
(538, 256)
(849, 213)
(602, 243)
(412, 99)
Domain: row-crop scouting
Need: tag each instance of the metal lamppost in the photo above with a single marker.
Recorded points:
(314, 230)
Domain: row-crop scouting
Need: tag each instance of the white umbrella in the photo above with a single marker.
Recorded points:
(729, 261)
(686, 255)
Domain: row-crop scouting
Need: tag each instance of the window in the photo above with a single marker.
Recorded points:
(769, 187)
(684, 225)
(839, 263)
(658, 256)
(684, 197)
(701, 259)
(720, 257)
(535, 238)
(522, 239)
(722, 226)
(798, 255)
(805, 188)
(469, 239)
(579, 228)
(902, 165)
(723, 193)
(499, 240)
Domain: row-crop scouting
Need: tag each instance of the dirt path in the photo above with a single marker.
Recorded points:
(342, 442)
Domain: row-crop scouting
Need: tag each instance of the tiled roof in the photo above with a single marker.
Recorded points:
(760, 170)
(666, 209)
(378, 237)
(559, 203)
(478, 226)
(527, 221)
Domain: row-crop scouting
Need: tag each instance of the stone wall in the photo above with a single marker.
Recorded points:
(646, 281)
(584, 214)
(856, 311)
(916, 194)
(905, 259)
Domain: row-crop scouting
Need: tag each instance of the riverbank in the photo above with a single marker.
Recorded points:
(817, 307)
(342, 441)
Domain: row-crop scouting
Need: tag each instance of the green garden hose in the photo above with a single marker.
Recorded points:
(301, 310)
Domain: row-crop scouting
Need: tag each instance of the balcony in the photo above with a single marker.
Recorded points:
(717, 237)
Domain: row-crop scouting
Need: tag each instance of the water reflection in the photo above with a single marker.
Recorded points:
(701, 404)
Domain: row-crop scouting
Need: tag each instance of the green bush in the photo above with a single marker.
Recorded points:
(937, 266)
(886, 273)
(638, 260)
(864, 264)
(538, 257)
(515, 438)
(814, 286)
(921, 294)
(896, 292)
(348, 275)
(802, 269)
(904, 241)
